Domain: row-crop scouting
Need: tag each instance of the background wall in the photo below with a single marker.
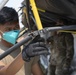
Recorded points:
(16, 4)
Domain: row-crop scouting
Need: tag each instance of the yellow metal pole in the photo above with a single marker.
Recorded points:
(36, 15)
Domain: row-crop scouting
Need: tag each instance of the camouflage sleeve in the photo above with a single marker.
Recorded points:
(69, 49)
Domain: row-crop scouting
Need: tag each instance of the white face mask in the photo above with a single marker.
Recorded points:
(10, 36)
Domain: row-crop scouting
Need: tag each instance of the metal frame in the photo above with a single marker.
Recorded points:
(2, 4)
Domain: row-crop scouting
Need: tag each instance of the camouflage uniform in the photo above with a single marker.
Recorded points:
(62, 52)
(62, 49)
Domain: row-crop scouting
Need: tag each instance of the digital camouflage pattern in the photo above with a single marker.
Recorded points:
(62, 52)
(62, 45)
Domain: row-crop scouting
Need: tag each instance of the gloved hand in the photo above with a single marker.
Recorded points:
(34, 49)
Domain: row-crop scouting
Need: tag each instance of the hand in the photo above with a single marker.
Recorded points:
(34, 49)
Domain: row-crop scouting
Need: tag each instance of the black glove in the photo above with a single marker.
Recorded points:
(34, 49)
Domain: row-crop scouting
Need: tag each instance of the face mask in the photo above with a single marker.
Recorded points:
(11, 36)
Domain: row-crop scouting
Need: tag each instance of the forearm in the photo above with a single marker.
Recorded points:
(69, 57)
(36, 69)
(69, 49)
(14, 67)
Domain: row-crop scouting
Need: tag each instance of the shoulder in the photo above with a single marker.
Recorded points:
(1, 64)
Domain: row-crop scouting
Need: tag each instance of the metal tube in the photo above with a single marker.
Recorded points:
(71, 27)
(27, 14)
(2, 4)
(36, 14)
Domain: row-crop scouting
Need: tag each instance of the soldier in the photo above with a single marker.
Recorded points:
(62, 50)
(62, 44)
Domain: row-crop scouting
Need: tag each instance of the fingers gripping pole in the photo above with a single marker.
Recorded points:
(2, 4)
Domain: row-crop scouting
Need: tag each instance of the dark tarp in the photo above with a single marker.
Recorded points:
(62, 7)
